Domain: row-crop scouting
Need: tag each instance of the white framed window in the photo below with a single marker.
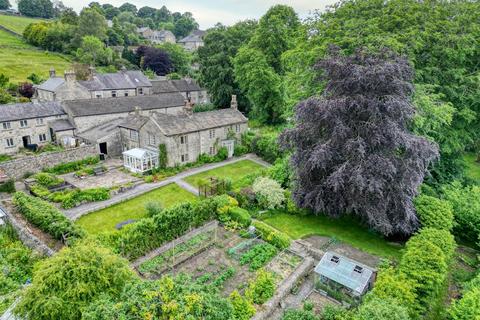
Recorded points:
(151, 139)
(39, 121)
(133, 135)
(212, 151)
(42, 137)
(140, 90)
(6, 125)
(237, 128)
(212, 133)
(114, 94)
(184, 157)
(9, 142)
(23, 123)
(98, 96)
(183, 139)
(126, 94)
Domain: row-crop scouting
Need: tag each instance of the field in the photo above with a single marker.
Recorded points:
(18, 59)
(106, 219)
(15, 23)
(344, 229)
(236, 172)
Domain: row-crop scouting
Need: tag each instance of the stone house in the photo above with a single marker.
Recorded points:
(188, 87)
(193, 41)
(157, 36)
(185, 135)
(23, 124)
(120, 84)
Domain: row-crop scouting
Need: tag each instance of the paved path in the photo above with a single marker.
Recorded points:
(75, 213)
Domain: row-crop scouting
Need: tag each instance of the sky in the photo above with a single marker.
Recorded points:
(209, 12)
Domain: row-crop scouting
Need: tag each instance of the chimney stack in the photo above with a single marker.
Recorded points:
(137, 110)
(70, 76)
(52, 73)
(188, 108)
(234, 103)
(91, 72)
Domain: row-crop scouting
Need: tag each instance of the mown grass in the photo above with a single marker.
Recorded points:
(18, 59)
(106, 219)
(15, 23)
(473, 167)
(344, 229)
(236, 172)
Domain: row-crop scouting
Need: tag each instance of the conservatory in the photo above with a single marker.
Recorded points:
(140, 160)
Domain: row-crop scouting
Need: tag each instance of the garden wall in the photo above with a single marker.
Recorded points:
(17, 168)
(28, 238)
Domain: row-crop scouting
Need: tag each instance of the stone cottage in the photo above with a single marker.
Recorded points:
(157, 36)
(193, 41)
(109, 85)
(23, 124)
(188, 87)
(185, 135)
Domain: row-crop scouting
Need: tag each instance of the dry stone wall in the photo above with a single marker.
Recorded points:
(17, 168)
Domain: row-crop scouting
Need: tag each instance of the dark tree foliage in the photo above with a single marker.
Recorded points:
(353, 152)
(36, 8)
(4, 4)
(26, 89)
(155, 59)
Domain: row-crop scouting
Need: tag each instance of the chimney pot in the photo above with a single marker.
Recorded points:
(188, 108)
(52, 73)
(137, 110)
(70, 76)
(234, 103)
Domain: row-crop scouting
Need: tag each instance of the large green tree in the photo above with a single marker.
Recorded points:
(91, 23)
(93, 52)
(65, 284)
(216, 66)
(4, 4)
(36, 8)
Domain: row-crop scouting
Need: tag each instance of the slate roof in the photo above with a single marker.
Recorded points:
(31, 110)
(343, 272)
(171, 125)
(135, 122)
(51, 84)
(61, 125)
(86, 107)
(116, 81)
(195, 36)
(164, 86)
(104, 130)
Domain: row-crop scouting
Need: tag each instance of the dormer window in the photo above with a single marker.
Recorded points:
(334, 259)
(358, 269)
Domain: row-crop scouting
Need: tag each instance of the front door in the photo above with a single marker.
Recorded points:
(103, 148)
(26, 141)
(230, 145)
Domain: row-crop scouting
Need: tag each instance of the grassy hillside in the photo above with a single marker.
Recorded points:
(18, 59)
(15, 23)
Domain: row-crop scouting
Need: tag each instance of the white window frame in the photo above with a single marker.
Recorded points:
(125, 94)
(140, 91)
(152, 139)
(212, 151)
(184, 157)
(39, 121)
(9, 142)
(23, 123)
(7, 125)
(184, 139)
(211, 133)
(114, 94)
(237, 128)
(133, 135)
(42, 137)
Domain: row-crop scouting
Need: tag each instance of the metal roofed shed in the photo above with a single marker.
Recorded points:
(140, 160)
(341, 272)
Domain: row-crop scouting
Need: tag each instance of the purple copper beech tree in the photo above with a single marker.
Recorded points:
(353, 151)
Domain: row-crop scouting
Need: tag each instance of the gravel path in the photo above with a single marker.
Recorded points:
(77, 212)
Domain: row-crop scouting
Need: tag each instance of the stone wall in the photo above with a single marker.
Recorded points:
(17, 168)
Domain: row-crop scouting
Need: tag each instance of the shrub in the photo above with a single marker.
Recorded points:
(68, 282)
(269, 193)
(68, 167)
(468, 306)
(392, 284)
(264, 145)
(434, 212)
(240, 150)
(381, 309)
(271, 235)
(8, 186)
(440, 238)
(243, 309)
(45, 216)
(258, 256)
(292, 314)
(241, 216)
(47, 180)
(466, 208)
(281, 171)
(162, 156)
(222, 154)
(261, 288)
(153, 208)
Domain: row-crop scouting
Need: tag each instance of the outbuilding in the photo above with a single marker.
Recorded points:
(140, 160)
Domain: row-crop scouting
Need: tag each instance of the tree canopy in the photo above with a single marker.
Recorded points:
(353, 152)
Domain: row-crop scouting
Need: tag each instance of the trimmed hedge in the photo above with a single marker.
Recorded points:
(271, 235)
(434, 212)
(241, 216)
(46, 217)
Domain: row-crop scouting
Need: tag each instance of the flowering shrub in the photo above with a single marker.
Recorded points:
(268, 192)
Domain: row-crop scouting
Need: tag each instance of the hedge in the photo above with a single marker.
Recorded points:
(45, 216)
(241, 216)
(468, 306)
(8, 186)
(434, 212)
(68, 167)
(271, 235)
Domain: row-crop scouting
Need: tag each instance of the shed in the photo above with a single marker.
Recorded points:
(140, 160)
(341, 271)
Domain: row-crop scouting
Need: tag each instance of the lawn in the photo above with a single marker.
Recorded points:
(18, 59)
(15, 23)
(473, 167)
(106, 219)
(344, 229)
(236, 172)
